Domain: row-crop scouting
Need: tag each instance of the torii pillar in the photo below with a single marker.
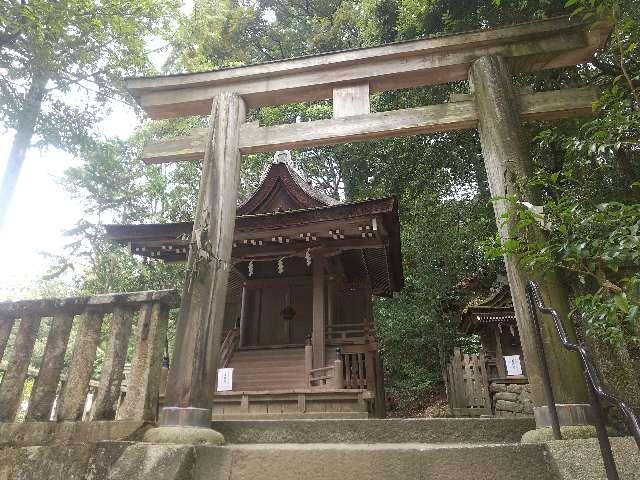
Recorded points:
(508, 171)
(190, 385)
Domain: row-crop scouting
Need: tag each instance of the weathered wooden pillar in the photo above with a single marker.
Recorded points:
(243, 318)
(191, 382)
(507, 164)
(308, 359)
(318, 338)
(338, 366)
(500, 366)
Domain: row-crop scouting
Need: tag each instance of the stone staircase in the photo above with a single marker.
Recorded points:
(321, 449)
(390, 449)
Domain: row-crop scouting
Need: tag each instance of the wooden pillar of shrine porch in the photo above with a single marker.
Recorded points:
(318, 337)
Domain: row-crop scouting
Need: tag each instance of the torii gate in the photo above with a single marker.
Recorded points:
(486, 58)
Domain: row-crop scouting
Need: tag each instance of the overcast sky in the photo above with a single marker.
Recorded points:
(41, 210)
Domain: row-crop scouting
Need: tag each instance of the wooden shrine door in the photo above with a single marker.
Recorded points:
(278, 315)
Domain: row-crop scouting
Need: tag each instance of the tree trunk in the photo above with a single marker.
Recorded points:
(24, 131)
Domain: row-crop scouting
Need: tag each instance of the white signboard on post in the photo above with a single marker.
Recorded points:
(225, 379)
(512, 362)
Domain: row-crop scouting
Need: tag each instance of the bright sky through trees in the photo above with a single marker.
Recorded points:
(42, 210)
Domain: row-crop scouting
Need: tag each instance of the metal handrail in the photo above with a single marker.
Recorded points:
(597, 393)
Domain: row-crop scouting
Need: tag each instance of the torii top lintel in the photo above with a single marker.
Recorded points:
(534, 46)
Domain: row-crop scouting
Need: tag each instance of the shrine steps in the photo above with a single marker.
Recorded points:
(393, 449)
(376, 449)
(271, 383)
(392, 430)
(382, 461)
(268, 369)
(371, 449)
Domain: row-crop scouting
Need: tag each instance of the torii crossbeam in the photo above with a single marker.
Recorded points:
(486, 58)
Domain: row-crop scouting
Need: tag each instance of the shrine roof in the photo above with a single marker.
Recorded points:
(287, 216)
(257, 222)
(283, 188)
(495, 308)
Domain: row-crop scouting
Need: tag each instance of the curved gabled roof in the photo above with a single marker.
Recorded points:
(283, 189)
(497, 307)
(287, 212)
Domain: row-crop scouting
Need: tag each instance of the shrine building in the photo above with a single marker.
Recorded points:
(299, 331)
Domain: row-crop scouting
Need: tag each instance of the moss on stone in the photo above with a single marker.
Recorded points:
(572, 432)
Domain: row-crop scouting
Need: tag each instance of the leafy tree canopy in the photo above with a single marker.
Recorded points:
(61, 62)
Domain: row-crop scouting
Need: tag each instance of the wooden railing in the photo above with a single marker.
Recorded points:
(59, 396)
(229, 346)
(349, 332)
(324, 377)
(356, 367)
(356, 370)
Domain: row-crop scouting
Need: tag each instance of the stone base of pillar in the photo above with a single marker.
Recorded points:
(185, 426)
(570, 432)
(183, 436)
(185, 417)
(569, 414)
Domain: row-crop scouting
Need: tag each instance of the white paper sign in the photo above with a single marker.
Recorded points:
(225, 379)
(514, 367)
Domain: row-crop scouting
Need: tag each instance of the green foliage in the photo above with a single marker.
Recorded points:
(598, 246)
(61, 63)
(610, 316)
(76, 46)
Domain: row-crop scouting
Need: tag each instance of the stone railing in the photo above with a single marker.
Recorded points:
(59, 392)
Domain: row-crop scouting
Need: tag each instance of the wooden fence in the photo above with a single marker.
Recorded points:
(360, 366)
(467, 385)
(62, 396)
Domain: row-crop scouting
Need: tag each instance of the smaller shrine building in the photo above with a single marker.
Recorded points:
(494, 320)
(505, 387)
